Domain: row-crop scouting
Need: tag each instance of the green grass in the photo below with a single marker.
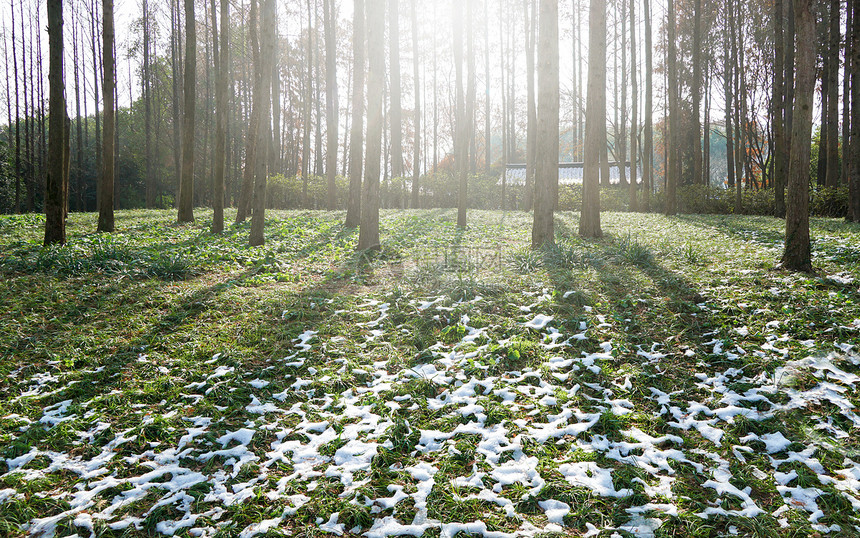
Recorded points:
(151, 327)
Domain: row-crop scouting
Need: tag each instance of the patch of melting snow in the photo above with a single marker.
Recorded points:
(841, 278)
(555, 510)
(589, 475)
(539, 322)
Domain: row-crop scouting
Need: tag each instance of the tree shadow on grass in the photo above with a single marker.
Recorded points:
(624, 281)
(262, 330)
(766, 231)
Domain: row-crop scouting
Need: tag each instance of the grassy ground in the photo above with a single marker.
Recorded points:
(162, 380)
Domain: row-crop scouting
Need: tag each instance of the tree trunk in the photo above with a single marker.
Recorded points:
(461, 135)
(648, 166)
(186, 184)
(727, 80)
(146, 83)
(698, 176)
(740, 145)
(846, 98)
(823, 45)
(488, 135)
(243, 208)
(416, 153)
(396, 108)
(634, 120)
(268, 18)
(797, 255)
(9, 108)
(330, 23)
(621, 131)
(369, 231)
(176, 69)
(674, 116)
(79, 138)
(595, 120)
(356, 142)
(317, 99)
(780, 158)
(39, 73)
(833, 171)
(55, 203)
(789, 77)
(854, 163)
(67, 162)
(221, 60)
(530, 17)
(471, 98)
(547, 139)
(17, 115)
(503, 77)
(106, 185)
(276, 142)
(435, 101)
(706, 131)
(306, 121)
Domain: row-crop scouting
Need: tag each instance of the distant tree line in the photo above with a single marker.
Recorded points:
(223, 95)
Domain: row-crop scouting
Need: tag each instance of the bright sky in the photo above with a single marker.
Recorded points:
(435, 17)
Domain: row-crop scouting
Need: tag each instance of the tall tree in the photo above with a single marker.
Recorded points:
(416, 150)
(698, 176)
(648, 146)
(488, 137)
(106, 185)
(306, 121)
(368, 237)
(674, 115)
(395, 117)
(356, 139)
(595, 120)
(28, 121)
(833, 172)
(854, 163)
(55, 202)
(634, 119)
(175, 89)
(222, 73)
(246, 193)
(330, 23)
(797, 255)
(146, 84)
(735, 20)
(17, 116)
(471, 89)
(730, 99)
(461, 134)
(620, 139)
(186, 184)
(780, 146)
(823, 45)
(276, 146)
(547, 141)
(8, 99)
(503, 76)
(268, 16)
(79, 137)
(846, 98)
(530, 17)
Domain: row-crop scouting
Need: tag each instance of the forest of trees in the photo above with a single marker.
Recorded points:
(373, 103)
